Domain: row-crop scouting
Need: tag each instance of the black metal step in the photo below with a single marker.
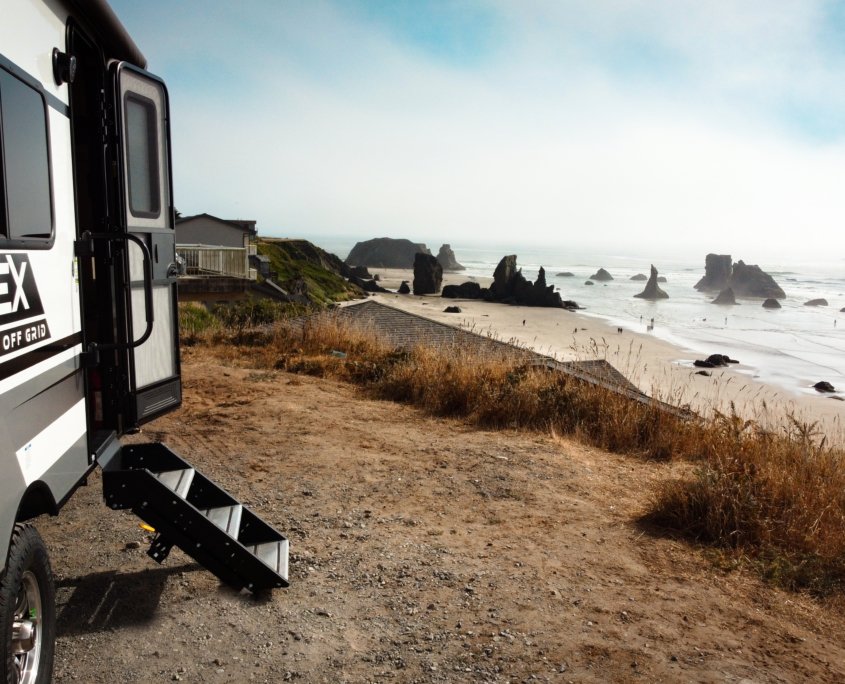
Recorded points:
(190, 511)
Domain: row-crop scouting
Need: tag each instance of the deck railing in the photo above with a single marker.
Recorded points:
(205, 260)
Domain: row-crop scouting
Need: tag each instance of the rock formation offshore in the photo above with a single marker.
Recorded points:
(717, 273)
(652, 289)
(744, 279)
(510, 287)
(385, 253)
(447, 259)
(428, 274)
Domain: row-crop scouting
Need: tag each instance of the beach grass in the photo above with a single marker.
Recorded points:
(767, 489)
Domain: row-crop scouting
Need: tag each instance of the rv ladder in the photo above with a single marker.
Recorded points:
(190, 511)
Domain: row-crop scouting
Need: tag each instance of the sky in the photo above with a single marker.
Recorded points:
(619, 124)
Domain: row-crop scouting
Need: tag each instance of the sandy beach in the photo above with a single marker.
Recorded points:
(656, 366)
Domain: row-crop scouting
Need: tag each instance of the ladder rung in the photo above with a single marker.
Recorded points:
(178, 480)
(227, 518)
(274, 554)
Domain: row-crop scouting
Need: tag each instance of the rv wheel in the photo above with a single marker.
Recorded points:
(27, 610)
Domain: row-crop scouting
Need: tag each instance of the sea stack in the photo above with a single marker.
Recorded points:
(752, 281)
(447, 259)
(726, 296)
(639, 276)
(385, 253)
(771, 303)
(601, 274)
(816, 302)
(403, 288)
(717, 272)
(652, 289)
(428, 274)
(511, 287)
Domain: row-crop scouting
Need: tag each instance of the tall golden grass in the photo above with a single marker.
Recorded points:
(773, 492)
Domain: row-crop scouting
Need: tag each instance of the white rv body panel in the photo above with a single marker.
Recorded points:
(29, 31)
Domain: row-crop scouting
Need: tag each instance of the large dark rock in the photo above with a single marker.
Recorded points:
(652, 289)
(468, 290)
(601, 274)
(510, 287)
(428, 274)
(361, 272)
(717, 273)
(752, 281)
(589, 282)
(385, 253)
(403, 288)
(639, 276)
(661, 279)
(566, 274)
(824, 386)
(816, 302)
(366, 285)
(447, 260)
(771, 303)
(452, 309)
(726, 296)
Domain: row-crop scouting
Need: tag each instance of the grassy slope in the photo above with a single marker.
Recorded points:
(292, 258)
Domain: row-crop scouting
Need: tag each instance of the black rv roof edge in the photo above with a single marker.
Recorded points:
(102, 17)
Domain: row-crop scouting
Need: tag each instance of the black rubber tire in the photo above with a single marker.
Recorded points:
(28, 552)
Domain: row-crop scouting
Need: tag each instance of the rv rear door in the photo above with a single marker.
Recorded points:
(146, 206)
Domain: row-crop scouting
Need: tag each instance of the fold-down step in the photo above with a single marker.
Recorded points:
(190, 511)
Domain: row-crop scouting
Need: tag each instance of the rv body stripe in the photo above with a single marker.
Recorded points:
(24, 361)
(52, 100)
(49, 445)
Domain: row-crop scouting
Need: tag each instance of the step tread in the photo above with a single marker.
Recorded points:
(227, 518)
(177, 480)
(273, 554)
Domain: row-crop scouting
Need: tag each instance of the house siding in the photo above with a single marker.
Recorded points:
(206, 230)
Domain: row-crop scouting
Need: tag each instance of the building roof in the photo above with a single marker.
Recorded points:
(241, 224)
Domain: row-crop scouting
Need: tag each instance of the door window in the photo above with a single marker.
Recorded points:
(142, 156)
(26, 208)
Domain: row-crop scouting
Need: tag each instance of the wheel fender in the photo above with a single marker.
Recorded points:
(37, 500)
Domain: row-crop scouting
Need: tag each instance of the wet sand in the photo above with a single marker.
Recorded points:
(656, 366)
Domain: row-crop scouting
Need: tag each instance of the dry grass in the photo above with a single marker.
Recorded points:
(772, 493)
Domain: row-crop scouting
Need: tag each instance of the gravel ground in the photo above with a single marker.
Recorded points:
(422, 551)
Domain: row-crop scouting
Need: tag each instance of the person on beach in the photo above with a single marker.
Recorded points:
(523, 321)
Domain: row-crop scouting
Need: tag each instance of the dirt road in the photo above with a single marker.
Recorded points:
(423, 551)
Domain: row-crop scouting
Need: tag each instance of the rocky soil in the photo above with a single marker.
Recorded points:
(423, 551)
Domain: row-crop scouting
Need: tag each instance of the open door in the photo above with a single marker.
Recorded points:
(149, 319)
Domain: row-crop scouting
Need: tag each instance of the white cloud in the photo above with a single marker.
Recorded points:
(709, 138)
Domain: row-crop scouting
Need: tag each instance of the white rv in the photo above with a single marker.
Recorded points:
(89, 346)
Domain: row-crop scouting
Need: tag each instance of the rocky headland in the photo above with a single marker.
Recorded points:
(385, 253)
(652, 289)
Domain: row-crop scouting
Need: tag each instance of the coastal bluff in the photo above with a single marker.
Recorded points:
(386, 253)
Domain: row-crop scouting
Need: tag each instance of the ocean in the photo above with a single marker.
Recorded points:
(793, 347)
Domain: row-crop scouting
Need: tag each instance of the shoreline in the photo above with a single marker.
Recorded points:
(659, 367)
